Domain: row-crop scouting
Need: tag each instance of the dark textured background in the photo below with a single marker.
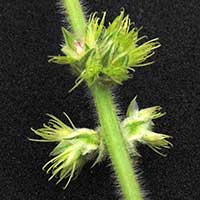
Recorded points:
(31, 87)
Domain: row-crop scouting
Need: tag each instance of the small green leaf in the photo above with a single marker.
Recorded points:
(62, 60)
(132, 108)
(68, 38)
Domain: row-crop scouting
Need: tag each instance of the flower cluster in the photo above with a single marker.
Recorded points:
(137, 128)
(76, 146)
(105, 54)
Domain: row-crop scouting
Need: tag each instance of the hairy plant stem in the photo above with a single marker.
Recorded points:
(115, 143)
(76, 16)
(108, 117)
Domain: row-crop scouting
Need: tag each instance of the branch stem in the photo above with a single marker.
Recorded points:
(115, 143)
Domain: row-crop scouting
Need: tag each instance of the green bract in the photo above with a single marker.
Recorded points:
(75, 147)
(138, 125)
(105, 54)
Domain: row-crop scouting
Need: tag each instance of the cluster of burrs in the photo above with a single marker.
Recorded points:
(77, 146)
(105, 54)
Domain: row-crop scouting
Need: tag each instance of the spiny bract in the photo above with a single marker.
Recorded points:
(105, 54)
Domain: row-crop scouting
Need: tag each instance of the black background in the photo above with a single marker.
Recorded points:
(31, 87)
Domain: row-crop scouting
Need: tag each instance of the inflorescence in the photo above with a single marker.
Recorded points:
(76, 146)
(105, 54)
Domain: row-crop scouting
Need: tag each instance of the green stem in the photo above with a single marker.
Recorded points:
(108, 118)
(114, 141)
(76, 16)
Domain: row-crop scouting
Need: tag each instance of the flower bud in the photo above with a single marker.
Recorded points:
(156, 141)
